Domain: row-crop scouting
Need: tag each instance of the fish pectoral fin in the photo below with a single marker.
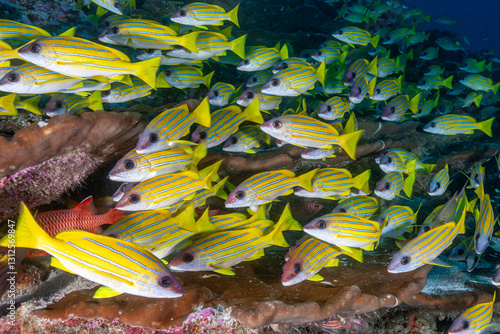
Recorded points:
(437, 262)
(222, 271)
(469, 132)
(256, 256)
(57, 264)
(316, 278)
(400, 238)
(106, 292)
(347, 249)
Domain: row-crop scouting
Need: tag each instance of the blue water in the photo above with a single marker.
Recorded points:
(478, 18)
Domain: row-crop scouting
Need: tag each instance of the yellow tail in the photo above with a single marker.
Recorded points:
(202, 114)
(233, 15)
(374, 40)
(408, 184)
(199, 153)
(275, 237)
(95, 101)
(208, 78)
(447, 82)
(146, 70)
(252, 112)
(28, 233)
(356, 254)
(372, 66)
(161, 82)
(485, 126)
(361, 181)
(31, 105)
(7, 103)
(238, 46)
(305, 180)
(414, 103)
(290, 224)
(188, 41)
(349, 141)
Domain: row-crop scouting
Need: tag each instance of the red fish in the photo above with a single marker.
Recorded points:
(82, 217)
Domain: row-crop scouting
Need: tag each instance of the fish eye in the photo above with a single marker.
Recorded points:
(164, 281)
(59, 104)
(427, 228)
(377, 91)
(393, 110)
(465, 324)
(320, 53)
(150, 51)
(476, 178)
(117, 5)
(277, 124)
(387, 186)
(353, 75)
(246, 62)
(250, 95)
(329, 108)
(13, 77)
(285, 65)
(254, 79)
(188, 257)
(438, 185)
(105, 93)
(461, 251)
(477, 238)
(35, 48)
(168, 73)
(182, 13)
(203, 135)
(134, 198)
(340, 32)
(297, 268)
(359, 90)
(343, 210)
(153, 138)
(129, 164)
(240, 194)
(389, 160)
(432, 125)
(405, 260)
(275, 82)
(234, 140)
(316, 205)
(114, 30)
(321, 224)
(216, 93)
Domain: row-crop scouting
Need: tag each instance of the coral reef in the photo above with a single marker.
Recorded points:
(44, 160)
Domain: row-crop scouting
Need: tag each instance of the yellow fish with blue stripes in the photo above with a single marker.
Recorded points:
(475, 319)
(166, 129)
(82, 58)
(425, 248)
(201, 14)
(345, 231)
(16, 34)
(485, 221)
(294, 80)
(121, 266)
(440, 182)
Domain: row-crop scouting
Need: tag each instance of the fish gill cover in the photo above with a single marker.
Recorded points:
(302, 166)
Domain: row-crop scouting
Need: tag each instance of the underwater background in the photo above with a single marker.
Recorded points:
(301, 166)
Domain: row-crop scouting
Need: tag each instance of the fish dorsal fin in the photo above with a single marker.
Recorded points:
(87, 205)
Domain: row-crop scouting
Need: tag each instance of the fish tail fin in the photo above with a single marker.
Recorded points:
(219, 188)
(199, 153)
(372, 66)
(447, 82)
(305, 180)
(321, 73)
(374, 40)
(111, 216)
(203, 224)
(495, 88)
(28, 233)
(253, 113)
(349, 141)
(350, 125)
(488, 67)
(186, 219)
(233, 15)
(161, 82)
(289, 224)
(410, 54)
(202, 114)
(461, 222)
(480, 65)
(208, 78)
(238, 46)
(408, 184)
(414, 103)
(371, 85)
(208, 179)
(146, 70)
(188, 41)
(356, 254)
(276, 236)
(429, 168)
(284, 52)
(95, 101)
(31, 105)
(477, 100)
(361, 181)
(485, 126)
(7, 103)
